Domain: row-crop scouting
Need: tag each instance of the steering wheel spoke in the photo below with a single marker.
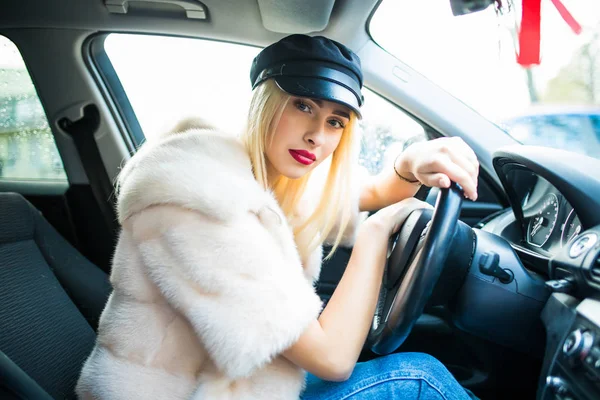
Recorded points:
(414, 267)
(407, 242)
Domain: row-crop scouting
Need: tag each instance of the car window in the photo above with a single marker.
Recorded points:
(473, 57)
(168, 78)
(573, 132)
(27, 148)
(386, 130)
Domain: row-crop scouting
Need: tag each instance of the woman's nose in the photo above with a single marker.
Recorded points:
(315, 136)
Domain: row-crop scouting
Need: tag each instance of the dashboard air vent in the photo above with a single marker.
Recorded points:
(595, 270)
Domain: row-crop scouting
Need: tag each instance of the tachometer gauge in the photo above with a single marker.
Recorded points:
(542, 223)
(570, 229)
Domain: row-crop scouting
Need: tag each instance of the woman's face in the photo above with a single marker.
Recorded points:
(308, 132)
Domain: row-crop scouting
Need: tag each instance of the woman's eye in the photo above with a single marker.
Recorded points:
(303, 107)
(336, 124)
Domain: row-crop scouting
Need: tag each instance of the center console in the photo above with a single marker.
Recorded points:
(572, 369)
(571, 316)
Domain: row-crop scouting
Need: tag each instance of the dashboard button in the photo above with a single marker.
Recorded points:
(561, 285)
(582, 244)
(572, 342)
(589, 360)
(556, 384)
(577, 348)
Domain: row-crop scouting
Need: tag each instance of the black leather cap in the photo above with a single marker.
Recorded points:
(312, 66)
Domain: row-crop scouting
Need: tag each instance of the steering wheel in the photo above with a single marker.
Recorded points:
(414, 266)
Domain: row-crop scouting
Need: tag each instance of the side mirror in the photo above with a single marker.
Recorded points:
(462, 7)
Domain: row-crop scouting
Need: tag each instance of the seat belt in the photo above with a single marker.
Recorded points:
(82, 131)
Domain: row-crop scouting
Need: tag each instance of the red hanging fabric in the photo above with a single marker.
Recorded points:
(562, 10)
(529, 34)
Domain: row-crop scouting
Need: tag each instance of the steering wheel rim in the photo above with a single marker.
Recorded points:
(395, 317)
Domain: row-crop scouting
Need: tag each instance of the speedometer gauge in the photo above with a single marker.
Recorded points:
(542, 223)
(571, 228)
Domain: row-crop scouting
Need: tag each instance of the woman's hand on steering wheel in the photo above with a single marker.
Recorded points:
(389, 219)
(437, 162)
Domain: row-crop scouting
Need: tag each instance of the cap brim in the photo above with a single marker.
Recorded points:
(319, 89)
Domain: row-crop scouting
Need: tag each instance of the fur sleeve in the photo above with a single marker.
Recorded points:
(240, 287)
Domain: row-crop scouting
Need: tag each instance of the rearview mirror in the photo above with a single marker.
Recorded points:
(462, 7)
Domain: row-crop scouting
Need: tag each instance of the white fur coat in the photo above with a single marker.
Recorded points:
(209, 288)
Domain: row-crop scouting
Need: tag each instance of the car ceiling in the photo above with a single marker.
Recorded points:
(347, 21)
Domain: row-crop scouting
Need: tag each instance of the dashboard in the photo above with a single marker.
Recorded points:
(553, 199)
(550, 222)
(553, 225)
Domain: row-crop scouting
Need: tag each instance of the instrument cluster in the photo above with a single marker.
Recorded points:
(551, 222)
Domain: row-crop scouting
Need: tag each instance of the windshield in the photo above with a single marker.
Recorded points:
(473, 57)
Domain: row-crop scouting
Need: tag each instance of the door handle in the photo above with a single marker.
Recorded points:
(193, 9)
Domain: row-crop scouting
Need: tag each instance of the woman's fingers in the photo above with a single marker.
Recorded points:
(437, 180)
(472, 171)
(463, 161)
(440, 161)
(462, 155)
(403, 209)
(444, 169)
(395, 214)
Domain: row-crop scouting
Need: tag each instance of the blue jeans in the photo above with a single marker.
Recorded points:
(406, 376)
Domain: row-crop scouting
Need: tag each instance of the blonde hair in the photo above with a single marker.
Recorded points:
(335, 206)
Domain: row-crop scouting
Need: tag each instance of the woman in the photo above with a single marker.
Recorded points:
(221, 243)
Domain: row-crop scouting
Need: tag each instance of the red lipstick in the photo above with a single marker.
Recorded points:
(303, 156)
